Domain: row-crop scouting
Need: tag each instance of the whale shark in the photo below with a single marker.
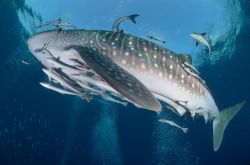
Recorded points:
(132, 69)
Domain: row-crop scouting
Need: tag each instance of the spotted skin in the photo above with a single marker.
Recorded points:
(120, 79)
(133, 53)
(159, 69)
(136, 68)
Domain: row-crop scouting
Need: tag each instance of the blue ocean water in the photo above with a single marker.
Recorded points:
(38, 126)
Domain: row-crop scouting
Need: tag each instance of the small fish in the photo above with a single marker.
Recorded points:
(26, 63)
(173, 124)
(59, 90)
(179, 109)
(115, 27)
(60, 64)
(154, 38)
(60, 80)
(64, 83)
(201, 39)
(101, 94)
(65, 25)
(111, 99)
(95, 82)
(57, 23)
(48, 23)
(192, 67)
(172, 109)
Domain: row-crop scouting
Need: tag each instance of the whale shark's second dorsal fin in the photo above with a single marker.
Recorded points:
(186, 58)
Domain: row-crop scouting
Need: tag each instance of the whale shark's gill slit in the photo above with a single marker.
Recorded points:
(122, 81)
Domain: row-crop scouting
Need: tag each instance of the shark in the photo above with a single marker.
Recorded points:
(59, 90)
(115, 27)
(201, 39)
(155, 38)
(136, 70)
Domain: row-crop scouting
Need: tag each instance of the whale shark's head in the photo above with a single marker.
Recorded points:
(58, 39)
(57, 43)
(40, 40)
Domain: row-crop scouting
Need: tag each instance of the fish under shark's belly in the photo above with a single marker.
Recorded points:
(166, 85)
(165, 81)
(171, 89)
(169, 81)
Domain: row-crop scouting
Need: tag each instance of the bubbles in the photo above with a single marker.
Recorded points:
(171, 146)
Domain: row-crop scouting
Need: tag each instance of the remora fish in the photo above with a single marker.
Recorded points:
(201, 39)
(59, 90)
(57, 23)
(26, 63)
(173, 124)
(115, 27)
(155, 38)
(64, 83)
(137, 68)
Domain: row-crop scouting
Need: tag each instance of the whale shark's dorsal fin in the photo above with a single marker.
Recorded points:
(203, 34)
(118, 78)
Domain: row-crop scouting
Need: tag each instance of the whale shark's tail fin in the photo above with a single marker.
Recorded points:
(220, 124)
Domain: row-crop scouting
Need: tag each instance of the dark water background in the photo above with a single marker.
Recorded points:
(38, 126)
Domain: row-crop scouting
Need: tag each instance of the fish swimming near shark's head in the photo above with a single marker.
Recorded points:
(79, 44)
(138, 70)
(115, 27)
(57, 39)
(55, 42)
(201, 39)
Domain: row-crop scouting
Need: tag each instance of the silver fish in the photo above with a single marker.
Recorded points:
(115, 27)
(201, 39)
(172, 123)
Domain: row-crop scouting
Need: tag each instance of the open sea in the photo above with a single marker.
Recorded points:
(40, 126)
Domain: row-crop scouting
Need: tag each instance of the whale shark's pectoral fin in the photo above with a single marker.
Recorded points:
(197, 43)
(118, 78)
